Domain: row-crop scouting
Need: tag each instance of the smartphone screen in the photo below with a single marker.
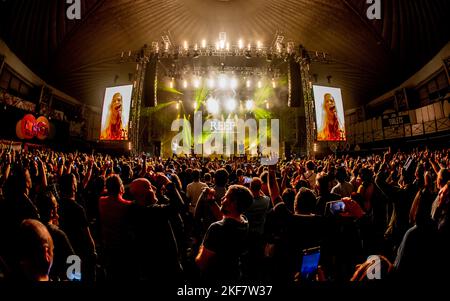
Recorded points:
(337, 207)
(310, 263)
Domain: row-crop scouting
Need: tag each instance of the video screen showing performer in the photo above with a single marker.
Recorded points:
(329, 114)
(116, 113)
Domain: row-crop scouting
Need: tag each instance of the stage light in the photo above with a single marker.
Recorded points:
(196, 83)
(222, 39)
(130, 147)
(249, 104)
(274, 84)
(211, 83)
(228, 47)
(212, 106)
(249, 47)
(267, 105)
(259, 45)
(185, 45)
(315, 147)
(248, 84)
(217, 45)
(259, 84)
(171, 83)
(178, 106)
(231, 104)
(195, 46)
(223, 81)
(185, 84)
(234, 83)
(240, 44)
(203, 43)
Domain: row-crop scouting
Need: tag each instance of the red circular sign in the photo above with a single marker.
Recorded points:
(28, 123)
(42, 128)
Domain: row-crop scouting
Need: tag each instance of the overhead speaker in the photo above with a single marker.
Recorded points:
(295, 98)
(149, 92)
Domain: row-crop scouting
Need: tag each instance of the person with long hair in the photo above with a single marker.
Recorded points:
(331, 128)
(114, 128)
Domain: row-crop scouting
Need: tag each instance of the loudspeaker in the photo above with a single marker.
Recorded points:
(295, 98)
(149, 92)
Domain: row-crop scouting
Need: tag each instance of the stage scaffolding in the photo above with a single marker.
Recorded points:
(142, 57)
(309, 108)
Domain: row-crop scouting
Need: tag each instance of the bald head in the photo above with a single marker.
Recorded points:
(35, 250)
(142, 191)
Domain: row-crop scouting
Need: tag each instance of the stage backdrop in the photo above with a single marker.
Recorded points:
(329, 114)
(116, 113)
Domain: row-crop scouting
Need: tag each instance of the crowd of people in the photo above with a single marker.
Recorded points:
(197, 219)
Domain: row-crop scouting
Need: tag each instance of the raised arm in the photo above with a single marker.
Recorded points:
(6, 168)
(88, 175)
(435, 165)
(284, 180)
(42, 174)
(274, 190)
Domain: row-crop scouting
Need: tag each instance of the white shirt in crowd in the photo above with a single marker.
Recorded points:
(310, 176)
(193, 191)
(344, 189)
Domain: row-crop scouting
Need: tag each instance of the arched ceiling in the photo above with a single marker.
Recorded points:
(80, 57)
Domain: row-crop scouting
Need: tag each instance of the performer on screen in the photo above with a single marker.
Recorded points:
(331, 129)
(114, 129)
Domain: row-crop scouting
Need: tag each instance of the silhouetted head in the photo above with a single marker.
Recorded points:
(237, 199)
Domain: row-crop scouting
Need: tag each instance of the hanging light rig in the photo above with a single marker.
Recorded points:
(278, 49)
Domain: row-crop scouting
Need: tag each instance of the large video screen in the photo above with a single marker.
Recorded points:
(116, 113)
(329, 114)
